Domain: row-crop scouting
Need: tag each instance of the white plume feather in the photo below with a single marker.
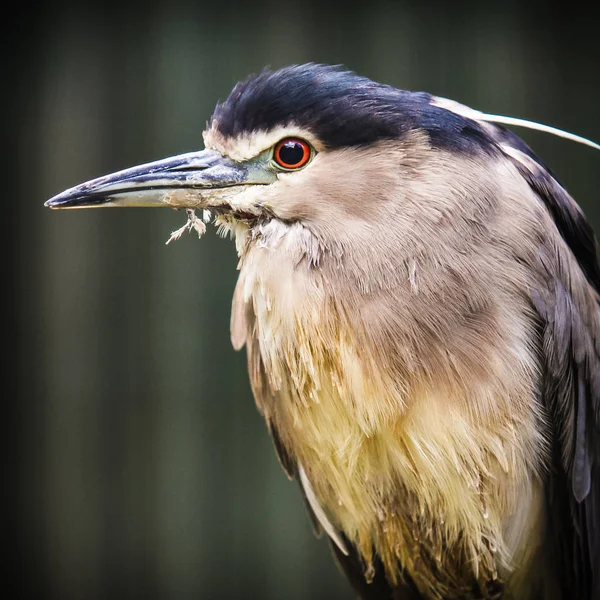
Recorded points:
(477, 115)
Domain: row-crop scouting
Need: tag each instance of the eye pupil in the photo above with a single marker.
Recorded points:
(292, 154)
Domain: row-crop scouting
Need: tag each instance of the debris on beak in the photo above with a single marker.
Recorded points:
(193, 222)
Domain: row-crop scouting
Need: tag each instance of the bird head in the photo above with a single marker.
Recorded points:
(305, 144)
(346, 161)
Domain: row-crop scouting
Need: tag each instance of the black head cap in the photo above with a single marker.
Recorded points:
(341, 109)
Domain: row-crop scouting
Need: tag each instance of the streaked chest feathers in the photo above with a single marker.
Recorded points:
(414, 454)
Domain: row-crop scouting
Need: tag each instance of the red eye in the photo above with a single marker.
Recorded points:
(291, 153)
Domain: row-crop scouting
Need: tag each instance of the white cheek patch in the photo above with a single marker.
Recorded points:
(248, 200)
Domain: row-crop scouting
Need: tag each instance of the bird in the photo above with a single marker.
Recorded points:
(418, 297)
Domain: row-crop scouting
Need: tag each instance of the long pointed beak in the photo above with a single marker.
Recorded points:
(193, 180)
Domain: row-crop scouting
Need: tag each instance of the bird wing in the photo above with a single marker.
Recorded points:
(569, 316)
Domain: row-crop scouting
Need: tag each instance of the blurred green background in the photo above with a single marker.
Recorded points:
(141, 466)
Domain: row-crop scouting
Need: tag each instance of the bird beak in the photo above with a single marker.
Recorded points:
(202, 179)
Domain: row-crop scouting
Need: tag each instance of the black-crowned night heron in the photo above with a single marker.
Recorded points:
(418, 297)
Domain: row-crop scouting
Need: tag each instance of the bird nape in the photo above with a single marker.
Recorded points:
(418, 298)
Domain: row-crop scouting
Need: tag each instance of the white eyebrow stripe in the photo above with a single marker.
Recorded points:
(320, 513)
(470, 113)
(249, 145)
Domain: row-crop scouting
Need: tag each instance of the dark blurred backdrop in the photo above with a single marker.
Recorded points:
(136, 463)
